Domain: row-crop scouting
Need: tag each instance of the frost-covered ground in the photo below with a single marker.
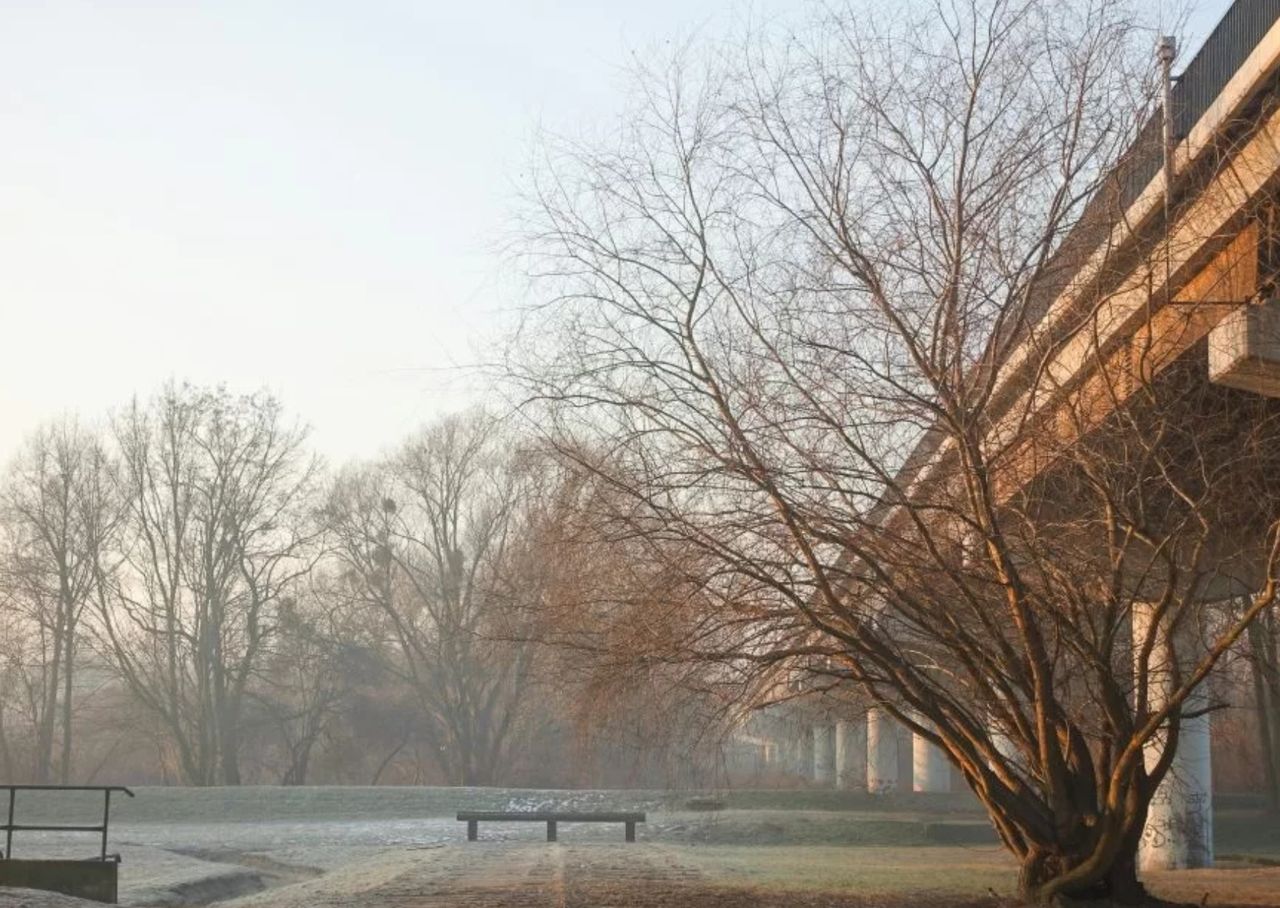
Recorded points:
(183, 846)
(375, 847)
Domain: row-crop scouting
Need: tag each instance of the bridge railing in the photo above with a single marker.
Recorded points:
(1241, 30)
(10, 827)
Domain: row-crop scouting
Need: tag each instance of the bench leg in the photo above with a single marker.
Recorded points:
(473, 830)
(551, 830)
(631, 832)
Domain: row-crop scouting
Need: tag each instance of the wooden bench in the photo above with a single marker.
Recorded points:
(473, 819)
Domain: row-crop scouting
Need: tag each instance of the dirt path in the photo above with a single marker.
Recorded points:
(491, 874)
(528, 875)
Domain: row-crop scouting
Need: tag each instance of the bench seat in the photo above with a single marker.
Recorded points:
(473, 818)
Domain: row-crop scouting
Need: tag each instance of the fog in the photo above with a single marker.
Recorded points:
(792, 452)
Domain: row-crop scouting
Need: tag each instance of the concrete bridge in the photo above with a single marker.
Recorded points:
(1199, 232)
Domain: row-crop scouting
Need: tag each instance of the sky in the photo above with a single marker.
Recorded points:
(306, 196)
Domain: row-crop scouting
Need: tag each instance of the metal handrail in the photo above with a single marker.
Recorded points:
(1241, 29)
(10, 827)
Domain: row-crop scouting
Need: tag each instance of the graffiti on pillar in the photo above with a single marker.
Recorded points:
(1160, 820)
(1179, 819)
(1196, 807)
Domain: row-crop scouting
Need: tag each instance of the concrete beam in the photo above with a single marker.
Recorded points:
(1244, 349)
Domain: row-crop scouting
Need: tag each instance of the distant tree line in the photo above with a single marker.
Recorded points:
(188, 596)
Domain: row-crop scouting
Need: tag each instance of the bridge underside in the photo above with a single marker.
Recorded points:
(1162, 346)
(1217, 442)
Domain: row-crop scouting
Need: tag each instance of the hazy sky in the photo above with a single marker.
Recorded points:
(297, 195)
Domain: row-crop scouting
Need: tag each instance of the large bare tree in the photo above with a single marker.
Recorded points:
(426, 539)
(58, 511)
(782, 298)
(216, 533)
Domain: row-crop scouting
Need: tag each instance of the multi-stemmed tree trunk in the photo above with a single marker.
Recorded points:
(795, 318)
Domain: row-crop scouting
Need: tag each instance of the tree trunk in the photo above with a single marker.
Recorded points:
(230, 747)
(299, 762)
(64, 768)
(386, 761)
(1118, 885)
(43, 763)
(6, 757)
(1122, 885)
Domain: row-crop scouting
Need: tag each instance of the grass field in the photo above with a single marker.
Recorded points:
(384, 847)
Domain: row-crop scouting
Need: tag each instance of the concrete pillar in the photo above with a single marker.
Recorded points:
(803, 756)
(824, 754)
(1179, 830)
(851, 754)
(882, 752)
(785, 748)
(930, 771)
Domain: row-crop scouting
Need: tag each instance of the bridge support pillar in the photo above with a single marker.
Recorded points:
(882, 752)
(1179, 830)
(804, 753)
(824, 754)
(851, 754)
(930, 771)
(797, 751)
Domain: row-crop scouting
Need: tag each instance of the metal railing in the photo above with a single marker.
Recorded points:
(1241, 29)
(10, 827)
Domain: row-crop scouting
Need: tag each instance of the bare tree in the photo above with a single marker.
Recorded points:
(626, 661)
(423, 539)
(306, 679)
(16, 689)
(217, 531)
(787, 301)
(58, 511)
